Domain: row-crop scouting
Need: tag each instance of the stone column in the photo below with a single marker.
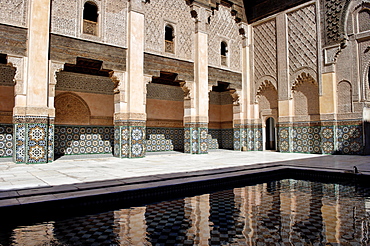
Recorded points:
(285, 103)
(242, 98)
(196, 119)
(32, 132)
(130, 116)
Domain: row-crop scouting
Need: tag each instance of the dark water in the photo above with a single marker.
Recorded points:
(285, 212)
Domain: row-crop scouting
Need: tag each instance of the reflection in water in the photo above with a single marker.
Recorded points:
(287, 212)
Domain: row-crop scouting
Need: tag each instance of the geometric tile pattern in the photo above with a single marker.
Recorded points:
(129, 141)
(195, 139)
(350, 139)
(6, 140)
(31, 142)
(164, 139)
(77, 140)
(223, 137)
(340, 139)
(307, 139)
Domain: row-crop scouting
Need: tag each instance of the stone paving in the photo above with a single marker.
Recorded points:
(81, 169)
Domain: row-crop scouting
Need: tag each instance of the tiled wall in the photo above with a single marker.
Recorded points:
(6, 140)
(75, 140)
(340, 139)
(164, 139)
(224, 138)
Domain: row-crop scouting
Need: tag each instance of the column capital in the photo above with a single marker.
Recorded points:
(201, 16)
(137, 5)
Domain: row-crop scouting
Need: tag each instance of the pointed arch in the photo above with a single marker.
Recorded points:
(70, 109)
(305, 91)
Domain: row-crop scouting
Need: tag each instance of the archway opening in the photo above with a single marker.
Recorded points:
(220, 127)
(270, 138)
(165, 114)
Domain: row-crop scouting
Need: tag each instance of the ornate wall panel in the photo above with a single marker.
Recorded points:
(65, 16)
(365, 67)
(334, 20)
(164, 139)
(7, 74)
(264, 36)
(71, 109)
(224, 28)
(302, 38)
(6, 140)
(115, 22)
(344, 96)
(76, 140)
(14, 12)
(164, 92)
(68, 81)
(350, 138)
(175, 12)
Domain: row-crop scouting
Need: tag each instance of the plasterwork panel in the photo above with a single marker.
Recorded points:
(14, 12)
(68, 81)
(70, 109)
(115, 22)
(164, 92)
(265, 56)
(302, 38)
(224, 28)
(344, 96)
(7, 74)
(64, 17)
(365, 66)
(175, 12)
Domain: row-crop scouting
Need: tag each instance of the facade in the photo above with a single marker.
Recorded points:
(133, 76)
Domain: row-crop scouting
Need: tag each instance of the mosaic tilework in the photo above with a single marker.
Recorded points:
(327, 139)
(51, 143)
(350, 139)
(20, 143)
(196, 140)
(6, 140)
(342, 139)
(307, 139)
(283, 139)
(224, 138)
(164, 139)
(76, 140)
(32, 144)
(129, 141)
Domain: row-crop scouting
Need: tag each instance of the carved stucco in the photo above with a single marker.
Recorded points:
(14, 12)
(334, 12)
(71, 109)
(265, 56)
(224, 28)
(67, 20)
(175, 12)
(302, 38)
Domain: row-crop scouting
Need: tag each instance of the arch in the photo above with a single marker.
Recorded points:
(70, 109)
(344, 96)
(90, 18)
(169, 36)
(306, 95)
(363, 18)
(90, 12)
(223, 53)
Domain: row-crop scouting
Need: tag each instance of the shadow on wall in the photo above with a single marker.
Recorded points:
(79, 140)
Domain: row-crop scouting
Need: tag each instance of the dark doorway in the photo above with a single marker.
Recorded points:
(270, 134)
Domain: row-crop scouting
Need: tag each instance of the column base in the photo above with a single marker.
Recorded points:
(196, 138)
(34, 139)
(129, 139)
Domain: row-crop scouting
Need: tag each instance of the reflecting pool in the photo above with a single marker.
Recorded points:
(284, 212)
